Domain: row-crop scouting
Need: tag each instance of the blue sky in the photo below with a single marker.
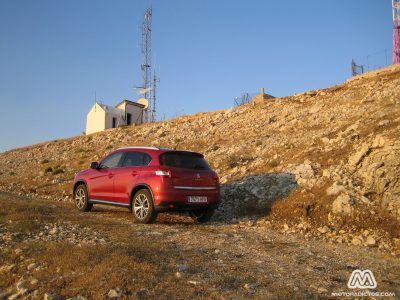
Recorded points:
(54, 55)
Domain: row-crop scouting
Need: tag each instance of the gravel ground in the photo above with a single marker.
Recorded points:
(50, 250)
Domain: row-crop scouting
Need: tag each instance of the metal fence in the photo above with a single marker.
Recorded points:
(370, 62)
(243, 98)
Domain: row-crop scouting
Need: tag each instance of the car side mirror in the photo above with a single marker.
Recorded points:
(94, 165)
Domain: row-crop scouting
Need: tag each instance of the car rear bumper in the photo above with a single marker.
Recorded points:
(177, 199)
(180, 206)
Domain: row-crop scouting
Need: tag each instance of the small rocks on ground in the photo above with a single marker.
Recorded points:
(114, 293)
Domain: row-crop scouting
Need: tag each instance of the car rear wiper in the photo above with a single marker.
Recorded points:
(198, 167)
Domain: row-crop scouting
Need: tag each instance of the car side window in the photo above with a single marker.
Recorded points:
(136, 159)
(146, 159)
(111, 161)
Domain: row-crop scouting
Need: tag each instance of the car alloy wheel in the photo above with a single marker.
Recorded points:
(80, 198)
(141, 206)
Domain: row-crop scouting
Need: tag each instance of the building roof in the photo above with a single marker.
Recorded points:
(111, 109)
(131, 103)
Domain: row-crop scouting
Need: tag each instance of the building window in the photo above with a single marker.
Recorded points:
(128, 119)
(114, 124)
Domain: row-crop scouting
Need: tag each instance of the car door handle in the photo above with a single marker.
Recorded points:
(110, 175)
(134, 173)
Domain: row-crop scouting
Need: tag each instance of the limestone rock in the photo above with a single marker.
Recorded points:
(343, 204)
(357, 157)
(335, 189)
(370, 241)
(114, 293)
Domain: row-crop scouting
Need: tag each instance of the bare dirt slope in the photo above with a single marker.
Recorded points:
(53, 250)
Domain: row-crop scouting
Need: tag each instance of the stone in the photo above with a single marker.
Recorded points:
(383, 123)
(7, 268)
(182, 267)
(114, 293)
(335, 189)
(14, 296)
(247, 286)
(356, 158)
(31, 266)
(379, 141)
(53, 230)
(77, 297)
(323, 230)
(356, 241)
(20, 285)
(52, 296)
(343, 204)
(370, 241)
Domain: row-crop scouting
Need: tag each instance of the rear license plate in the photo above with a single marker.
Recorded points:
(197, 199)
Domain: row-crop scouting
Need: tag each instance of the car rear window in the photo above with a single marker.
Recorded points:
(183, 160)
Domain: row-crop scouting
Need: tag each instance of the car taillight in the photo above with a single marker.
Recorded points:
(216, 179)
(163, 173)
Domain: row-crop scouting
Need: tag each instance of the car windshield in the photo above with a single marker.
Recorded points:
(185, 160)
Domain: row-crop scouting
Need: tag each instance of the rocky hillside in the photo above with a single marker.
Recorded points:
(325, 163)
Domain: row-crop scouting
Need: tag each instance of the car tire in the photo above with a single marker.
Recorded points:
(202, 215)
(143, 207)
(81, 198)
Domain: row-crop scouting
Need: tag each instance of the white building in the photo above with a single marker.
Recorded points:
(102, 116)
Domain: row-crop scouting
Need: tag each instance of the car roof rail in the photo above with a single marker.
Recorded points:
(139, 147)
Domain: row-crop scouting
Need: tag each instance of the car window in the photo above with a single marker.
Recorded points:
(111, 161)
(183, 160)
(134, 159)
(146, 159)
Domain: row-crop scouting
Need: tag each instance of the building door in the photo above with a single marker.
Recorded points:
(114, 123)
(128, 119)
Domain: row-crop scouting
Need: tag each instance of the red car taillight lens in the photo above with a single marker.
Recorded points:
(216, 179)
(166, 173)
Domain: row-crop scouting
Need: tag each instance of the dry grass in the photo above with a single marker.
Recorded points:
(143, 260)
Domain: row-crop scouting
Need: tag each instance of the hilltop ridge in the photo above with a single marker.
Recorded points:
(325, 163)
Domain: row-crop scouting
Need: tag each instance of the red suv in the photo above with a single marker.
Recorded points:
(149, 180)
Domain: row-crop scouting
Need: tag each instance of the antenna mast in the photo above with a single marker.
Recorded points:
(146, 66)
(396, 31)
(155, 80)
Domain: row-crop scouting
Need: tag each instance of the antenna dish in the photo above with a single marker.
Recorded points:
(144, 101)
